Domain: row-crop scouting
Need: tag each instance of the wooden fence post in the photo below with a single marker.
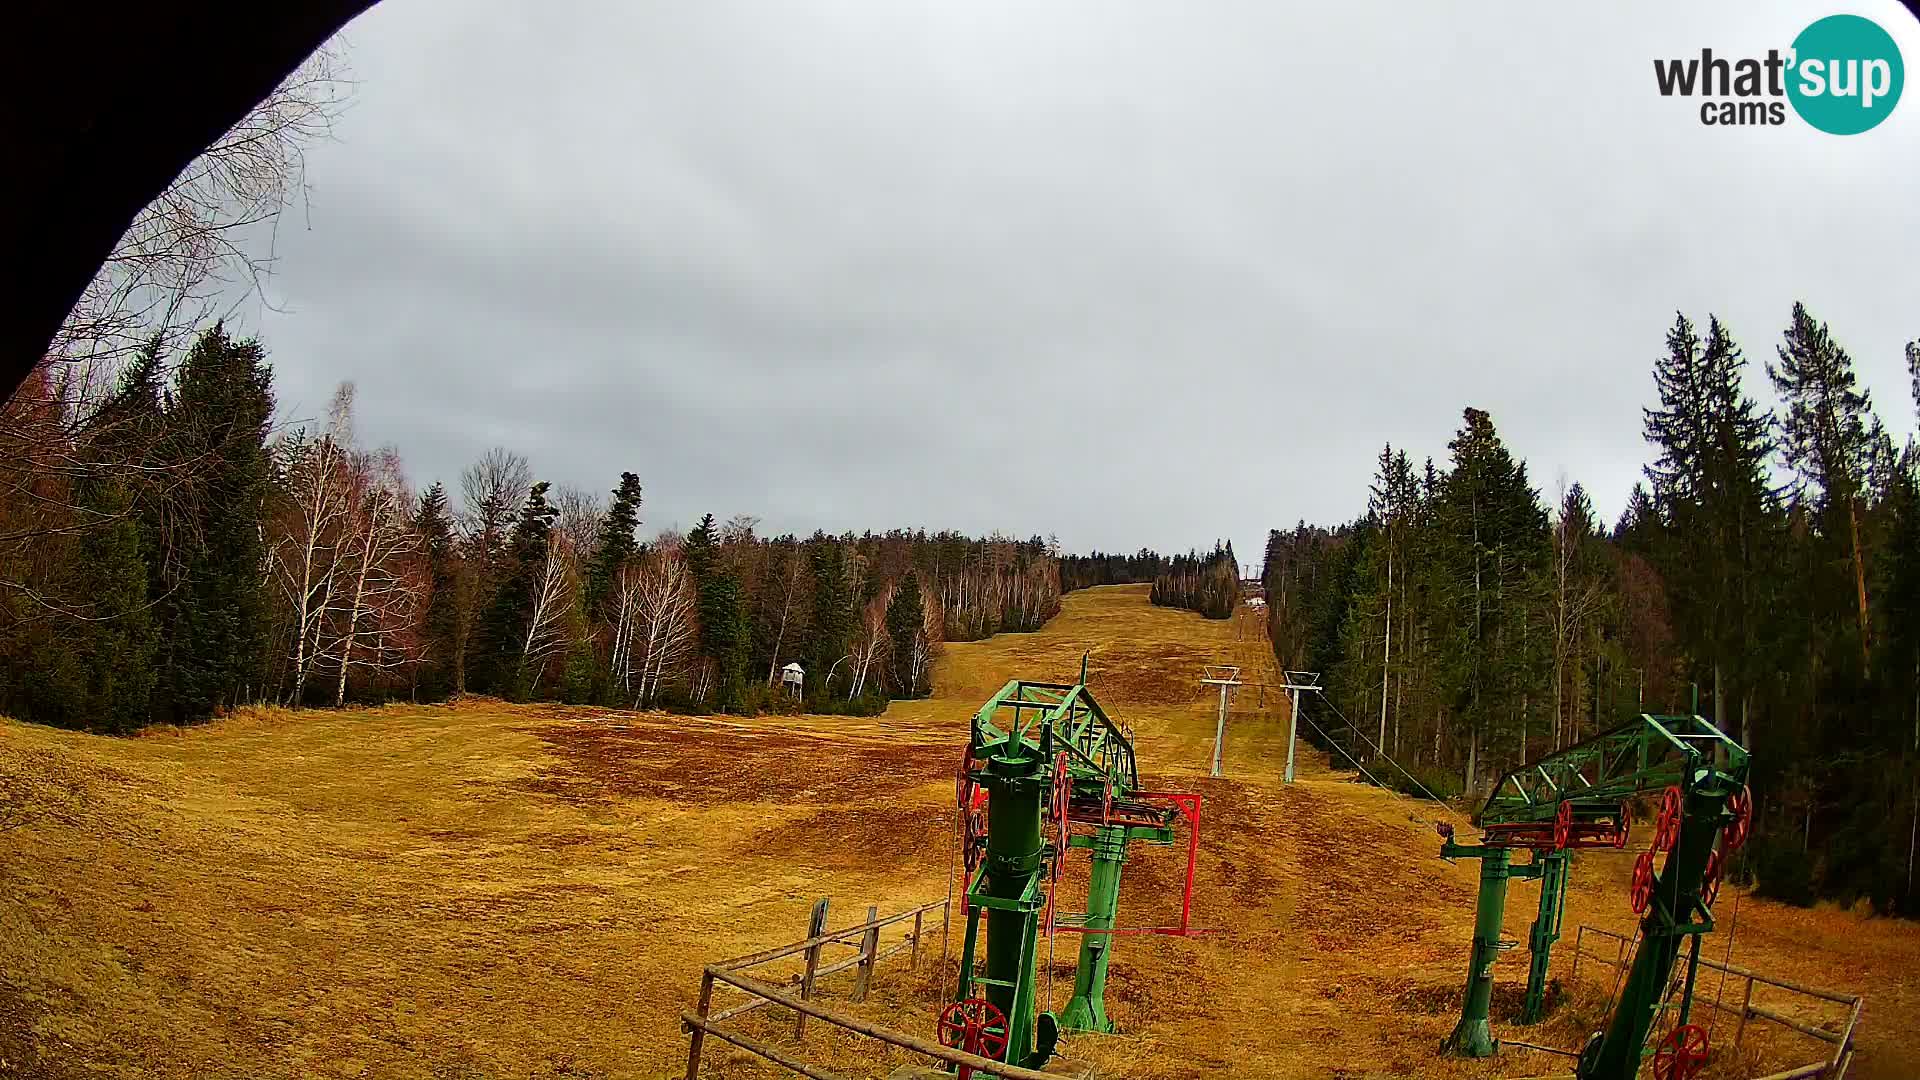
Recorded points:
(816, 926)
(1746, 1003)
(913, 957)
(699, 1034)
(869, 946)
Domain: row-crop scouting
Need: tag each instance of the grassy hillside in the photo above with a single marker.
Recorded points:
(503, 891)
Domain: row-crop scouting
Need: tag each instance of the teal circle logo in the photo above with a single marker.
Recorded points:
(1846, 74)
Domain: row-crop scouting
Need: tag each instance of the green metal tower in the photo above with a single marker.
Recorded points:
(1041, 758)
(1578, 798)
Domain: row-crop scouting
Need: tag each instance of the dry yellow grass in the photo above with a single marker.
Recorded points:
(497, 891)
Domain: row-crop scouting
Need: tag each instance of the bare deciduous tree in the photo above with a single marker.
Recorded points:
(306, 555)
(387, 595)
(553, 597)
(870, 640)
(207, 240)
(581, 513)
(657, 604)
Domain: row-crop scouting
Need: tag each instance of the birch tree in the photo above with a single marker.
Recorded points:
(386, 597)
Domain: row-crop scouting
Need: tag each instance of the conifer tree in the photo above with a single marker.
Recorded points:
(832, 618)
(1710, 485)
(1828, 440)
(724, 633)
(117, 642)
(504, 627)
(616, 545)
(216, 619)
(1493, 537)
(906, 620)
(439, 626)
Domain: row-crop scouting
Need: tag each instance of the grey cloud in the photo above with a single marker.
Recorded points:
(1130, 273)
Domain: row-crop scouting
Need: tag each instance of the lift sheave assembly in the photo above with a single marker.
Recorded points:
(1047, 772)
(1580, 798)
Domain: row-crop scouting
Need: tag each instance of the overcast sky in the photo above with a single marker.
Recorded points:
(1132, 273)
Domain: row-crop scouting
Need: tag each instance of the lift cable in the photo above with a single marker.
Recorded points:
(946, 929)
(1383, 755)
(1733, 928)
(1363, 769)
(1542, 1049)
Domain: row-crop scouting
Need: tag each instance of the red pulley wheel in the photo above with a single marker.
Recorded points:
(974, 840)
(1710, 879)
(1666, 827)
(1563, 824)
(1642, 892)
(1623, 824)
(1741, 803)
(1682, 1054)
(976, 1026)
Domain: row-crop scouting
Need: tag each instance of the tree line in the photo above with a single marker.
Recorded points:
(1765, 573)
(1208, 584)
(167, 555)
(1088, 571)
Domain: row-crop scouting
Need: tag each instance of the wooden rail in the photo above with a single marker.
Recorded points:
(1833, 1068)
(796, 992)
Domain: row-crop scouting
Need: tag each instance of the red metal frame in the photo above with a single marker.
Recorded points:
(1128, 812)
(1543, 835)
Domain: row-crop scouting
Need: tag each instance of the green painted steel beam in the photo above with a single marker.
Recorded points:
(1647, 755)
(1643, 756)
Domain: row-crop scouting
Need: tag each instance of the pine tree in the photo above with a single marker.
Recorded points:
(906, 621)
(216, 619)
(440, 625)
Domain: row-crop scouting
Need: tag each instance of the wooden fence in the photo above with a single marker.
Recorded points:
(796, 994)
(1833, 1067)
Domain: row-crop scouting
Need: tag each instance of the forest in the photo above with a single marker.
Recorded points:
(1765, 573)
(1208, 584)
(168, 554)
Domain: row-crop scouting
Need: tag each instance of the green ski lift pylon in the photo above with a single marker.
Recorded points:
(1578, 798)
(1043, 756)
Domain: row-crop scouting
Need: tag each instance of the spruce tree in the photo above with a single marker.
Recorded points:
(832, 617)
(616, 545)
(906, 623)
(1828, 437)
(116, 644)
(440, 625)
(216, 619)
(1710, 486)
(1493, 536)
(724, 631)
(499, 669)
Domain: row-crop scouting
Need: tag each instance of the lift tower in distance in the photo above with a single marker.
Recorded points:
(1578, 798)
